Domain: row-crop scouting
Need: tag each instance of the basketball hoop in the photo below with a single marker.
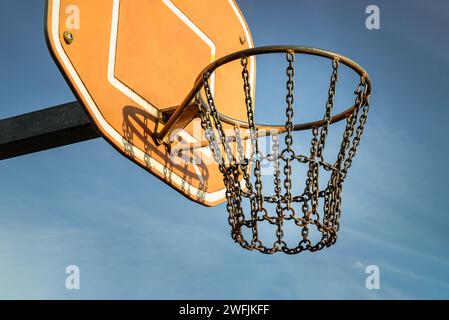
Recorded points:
(311, 210)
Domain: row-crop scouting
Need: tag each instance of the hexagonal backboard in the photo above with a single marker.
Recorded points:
(128, 60)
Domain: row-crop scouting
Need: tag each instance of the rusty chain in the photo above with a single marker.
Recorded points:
(319, 223)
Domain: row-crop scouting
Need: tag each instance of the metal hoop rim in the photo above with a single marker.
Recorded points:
(285, 49)
(267, 50)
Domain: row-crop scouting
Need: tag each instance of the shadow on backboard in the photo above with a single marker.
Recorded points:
(138, 129)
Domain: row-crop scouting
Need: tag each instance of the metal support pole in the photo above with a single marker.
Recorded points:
(45, 129)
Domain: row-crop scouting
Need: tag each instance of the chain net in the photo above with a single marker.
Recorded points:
(309, 210)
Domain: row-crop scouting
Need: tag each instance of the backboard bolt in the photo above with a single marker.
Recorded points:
(68, 37)
(242, 39)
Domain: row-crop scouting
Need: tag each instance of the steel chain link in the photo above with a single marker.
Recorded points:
(236, 169)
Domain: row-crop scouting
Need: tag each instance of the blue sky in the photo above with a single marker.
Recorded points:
(134, 237)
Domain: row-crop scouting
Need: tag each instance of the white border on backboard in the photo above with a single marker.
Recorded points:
(209, 197)
(122, 87)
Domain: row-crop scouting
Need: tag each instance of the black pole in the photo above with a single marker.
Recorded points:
(45, 129)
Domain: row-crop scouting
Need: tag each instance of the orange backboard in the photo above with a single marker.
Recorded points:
(128, 61)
